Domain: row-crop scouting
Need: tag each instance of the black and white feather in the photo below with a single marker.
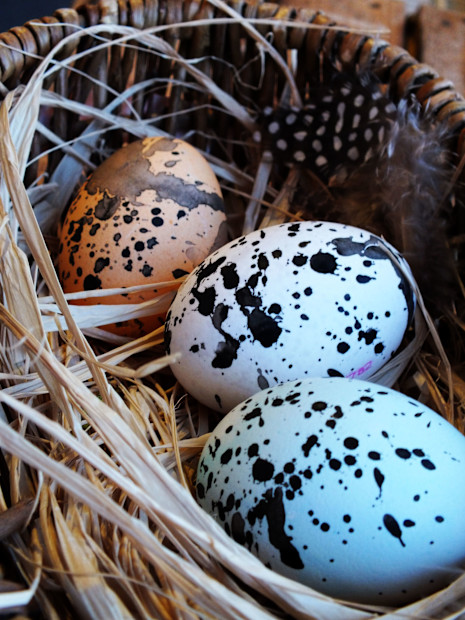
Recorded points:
(340, 128)
(384, 167)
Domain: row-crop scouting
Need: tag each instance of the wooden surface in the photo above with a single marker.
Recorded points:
(433, 35)
(387, 17)
(441, 42)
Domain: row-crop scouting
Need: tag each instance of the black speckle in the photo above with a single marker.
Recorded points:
(393, 527)
(427, 464)
(146, 270)
(263, 263)
(368, 335)
(100, 264)
(263, 327)
(206, 300)
(351, 443)
(379, 479)
(246, 299)
(230, 276)
(255, 413)
(238, 532)
(253, 450)
(179, 273)
(106, 207)
(225, 353)
(226, 456)
(295, 482)
(308, 445)
(262, 470)
(92, 282)
(323, 262)
(299, 260)
(272, 508)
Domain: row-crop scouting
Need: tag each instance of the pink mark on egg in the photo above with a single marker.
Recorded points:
(360, 371)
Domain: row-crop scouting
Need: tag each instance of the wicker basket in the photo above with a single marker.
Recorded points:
(97, 453)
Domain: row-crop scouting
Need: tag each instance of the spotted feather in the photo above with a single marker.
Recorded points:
(341, 127)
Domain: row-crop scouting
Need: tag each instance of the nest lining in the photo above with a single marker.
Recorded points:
(94, 430)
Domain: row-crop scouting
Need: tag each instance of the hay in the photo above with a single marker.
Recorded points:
(99, 444)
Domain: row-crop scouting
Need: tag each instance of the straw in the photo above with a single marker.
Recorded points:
(99, 443)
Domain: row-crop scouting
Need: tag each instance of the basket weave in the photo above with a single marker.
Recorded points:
(105, 548)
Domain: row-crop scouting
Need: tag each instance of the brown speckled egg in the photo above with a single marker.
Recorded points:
(150, 213)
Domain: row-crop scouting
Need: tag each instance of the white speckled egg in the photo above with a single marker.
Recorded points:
(290, 301)
(351, 488)
(149, 213)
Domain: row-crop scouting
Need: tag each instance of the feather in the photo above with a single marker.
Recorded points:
(340, 127)
(373, 164)
(402, 194)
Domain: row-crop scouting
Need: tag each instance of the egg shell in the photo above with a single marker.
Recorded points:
(287, 302)
(149, 213)
(351, 488)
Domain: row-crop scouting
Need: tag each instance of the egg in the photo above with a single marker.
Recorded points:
(286, 302)
(351, 488)
(149, 213)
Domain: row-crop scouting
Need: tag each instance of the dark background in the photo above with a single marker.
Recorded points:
(17, 12)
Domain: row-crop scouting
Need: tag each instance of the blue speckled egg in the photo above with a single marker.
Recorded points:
(351, 488)
(290, 301)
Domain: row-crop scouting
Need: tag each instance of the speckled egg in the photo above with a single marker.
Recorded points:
(149, 213)
(351, 488)
(287, 302)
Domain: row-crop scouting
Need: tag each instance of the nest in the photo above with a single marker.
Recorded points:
(98, 443)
